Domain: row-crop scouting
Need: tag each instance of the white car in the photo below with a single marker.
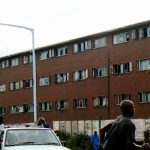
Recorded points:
(30, 139)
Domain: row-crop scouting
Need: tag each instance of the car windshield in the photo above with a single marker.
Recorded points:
(30, 137)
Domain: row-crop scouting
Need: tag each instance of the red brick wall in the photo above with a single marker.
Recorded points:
(132, 83)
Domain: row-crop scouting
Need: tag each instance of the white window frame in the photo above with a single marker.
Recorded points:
(80, 102)
(148, 31)
(100, 72)
(120, 97)
(14, 85)
(2, 110)
(27, 59)
(3, 64)
(16, 109)
(61, 51)
(121, 38)
(99, 42)
(82, 46)
(88, 44)
(100, 101)
(144, 64)
(44, 81)
(2, 88)
(62, 105)
(45, 106)
(144, 97)
(14, 62)
(26, 83)
(63, 77)
(122, 68)
(44, 55)
(28, 108)
(80, 75)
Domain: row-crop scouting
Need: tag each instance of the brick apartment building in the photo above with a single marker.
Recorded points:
(81, 79)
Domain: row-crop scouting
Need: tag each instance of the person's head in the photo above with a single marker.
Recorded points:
(127, 108)
(1, 120)
(95, 132)
(41, 121)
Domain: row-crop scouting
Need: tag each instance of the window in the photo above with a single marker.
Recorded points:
(121, 38)
(88, 44)
(80, 103)
(148, 32)
(144, 64)
(143, 32)
(82, 46)
(61, 104)
(14, 85)
(144, 97)
(26, 83)
(45, 106)
(28, 108)
(16, 109)
(44, 81)
(133, 34)
(80, 75)
(120, 97)
(12, 62)
(9, 63)
(58, 52)
(100, 72)
(27, 59)
(44, 55)
(3, 64)
(122, 68)
(64, 77)
(99, 42)
(62, 51)
(53, 53)
(2, 87)
(2, 110)
(100, 101)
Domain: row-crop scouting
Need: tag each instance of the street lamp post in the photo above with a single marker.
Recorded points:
(34, 65)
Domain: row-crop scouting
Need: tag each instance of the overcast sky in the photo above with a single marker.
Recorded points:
(55, 21)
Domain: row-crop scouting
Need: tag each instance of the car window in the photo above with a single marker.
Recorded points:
(30, 137)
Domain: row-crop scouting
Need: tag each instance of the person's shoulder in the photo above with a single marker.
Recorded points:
(46, 126)
(127, 121)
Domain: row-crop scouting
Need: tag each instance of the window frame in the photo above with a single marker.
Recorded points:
(2, 88)
(80, 75)
(100, 101)
(80, 102)
(45, 106)
(42, 81)
(62, 77)
(146, 97)
(61, 105)
(100, 72)
(120, 97)
(122, 68)
(121, 37)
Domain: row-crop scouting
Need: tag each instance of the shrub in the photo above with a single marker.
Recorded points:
(74, 142)
(78, 141)
(147, 136)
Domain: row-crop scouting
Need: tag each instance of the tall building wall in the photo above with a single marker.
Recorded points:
(106, 69)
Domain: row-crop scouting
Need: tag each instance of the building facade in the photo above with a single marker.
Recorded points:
(81, 79)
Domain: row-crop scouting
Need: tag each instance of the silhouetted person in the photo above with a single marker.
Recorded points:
(120, 135)
(42, 123)
(95, 141)
(1, 123)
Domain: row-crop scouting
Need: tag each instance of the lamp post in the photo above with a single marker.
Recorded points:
(34, 65)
